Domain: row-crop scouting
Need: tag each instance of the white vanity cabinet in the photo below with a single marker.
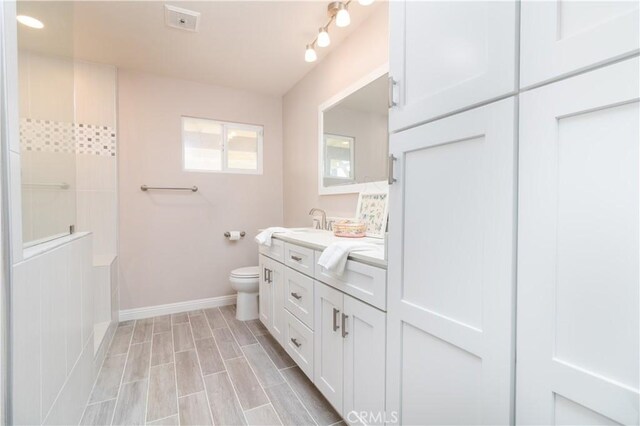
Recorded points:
(449, 55)
(332, 326)
(271, 300)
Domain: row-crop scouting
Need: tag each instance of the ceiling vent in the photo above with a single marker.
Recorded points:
(177, 17)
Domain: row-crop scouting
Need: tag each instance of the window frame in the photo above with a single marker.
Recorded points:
(258, 128)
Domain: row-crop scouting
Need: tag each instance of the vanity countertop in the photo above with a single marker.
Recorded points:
(318, 239)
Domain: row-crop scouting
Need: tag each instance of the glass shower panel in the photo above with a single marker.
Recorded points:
(48, 129)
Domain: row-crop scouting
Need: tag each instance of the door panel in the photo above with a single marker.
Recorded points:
(564, 37)
(264, 302)
(578, 279)
(328, 343)
(277, 301)
(447, 56)
(451, 269)
(364, 362)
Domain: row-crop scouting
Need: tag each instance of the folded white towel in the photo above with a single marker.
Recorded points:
(334, 257)
(264, 238)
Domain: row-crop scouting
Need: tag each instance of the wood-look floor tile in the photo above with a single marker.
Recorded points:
(182, 338)
(126, 323)
(249, 390)
(200, 326)
(121, 340)
(131, 403)
(239, 329)
(226, 343)
(262, 416)
(194, 410)
(225, 407)
(215, 318)
(276, 352)
(257, 327)
(169, 421)
(287, 405)
(319, 408)
(108, 381)
(179, 318)
(265, 369)
(162, 324)
(162, 392)
(162, 348)
(137, 363)
(196, 312)
(188, 373)
(98, 414)
(142, 331)
(210, 359)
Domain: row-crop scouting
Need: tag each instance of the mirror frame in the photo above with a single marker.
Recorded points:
(354, 187)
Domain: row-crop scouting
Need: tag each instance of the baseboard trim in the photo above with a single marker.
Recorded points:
(174, 308)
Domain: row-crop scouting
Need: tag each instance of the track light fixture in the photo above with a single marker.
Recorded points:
(337, 11)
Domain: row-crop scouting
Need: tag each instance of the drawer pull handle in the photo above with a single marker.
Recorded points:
(296, 258)
(295, 342)
(296, 295)
(335, 319)
(344, 325)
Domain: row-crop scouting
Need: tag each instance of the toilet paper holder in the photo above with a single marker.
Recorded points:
(228, 234)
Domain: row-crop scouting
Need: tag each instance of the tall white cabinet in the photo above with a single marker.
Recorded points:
(578, 295)
(513, 290)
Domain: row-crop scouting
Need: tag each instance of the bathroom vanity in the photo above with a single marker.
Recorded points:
(333, 326)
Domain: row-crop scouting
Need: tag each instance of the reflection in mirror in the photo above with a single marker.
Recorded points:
(47, 116)
(355, 138)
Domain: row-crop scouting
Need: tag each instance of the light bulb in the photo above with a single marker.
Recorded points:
(30, 22)
(365, 2)
(323, 37)
(342, 17)
(310, 54)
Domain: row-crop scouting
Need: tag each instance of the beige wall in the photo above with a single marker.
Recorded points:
(172, 247)
(358, 55)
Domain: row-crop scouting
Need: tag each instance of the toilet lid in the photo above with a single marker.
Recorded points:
(246, 272)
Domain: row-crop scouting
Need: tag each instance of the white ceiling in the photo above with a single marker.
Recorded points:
(252, 45)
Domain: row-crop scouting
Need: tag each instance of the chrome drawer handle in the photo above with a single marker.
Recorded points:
(344, 325)
(295, 342)
(296, 295)
(296, 258)
(335, 319)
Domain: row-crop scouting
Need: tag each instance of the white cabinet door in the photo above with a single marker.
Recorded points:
(564, 37)
(328, 343)
(452, 270)
(578, 292)
(364, 363)
(278, 314)
(264, 302)
(450, 55)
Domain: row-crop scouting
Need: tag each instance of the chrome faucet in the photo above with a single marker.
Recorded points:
(322, 224)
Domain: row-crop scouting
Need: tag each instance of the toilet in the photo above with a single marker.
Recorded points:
(246, 282)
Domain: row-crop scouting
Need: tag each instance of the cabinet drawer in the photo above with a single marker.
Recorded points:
(299, 258)
(364, 282)
(299, 343)
(298, 296)
(275, 252)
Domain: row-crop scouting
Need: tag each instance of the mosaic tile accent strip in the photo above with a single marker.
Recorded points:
(56, 136)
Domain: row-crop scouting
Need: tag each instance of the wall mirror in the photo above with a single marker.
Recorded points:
(353, 142)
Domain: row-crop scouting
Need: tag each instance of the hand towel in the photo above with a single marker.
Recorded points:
(264, 238)
(334, 257)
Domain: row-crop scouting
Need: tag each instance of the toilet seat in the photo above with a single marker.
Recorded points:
(246, 272)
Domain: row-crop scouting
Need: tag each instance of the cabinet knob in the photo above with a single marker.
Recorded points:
(295, 342)
(296, 295)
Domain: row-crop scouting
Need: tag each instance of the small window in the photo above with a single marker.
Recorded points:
(218, 146)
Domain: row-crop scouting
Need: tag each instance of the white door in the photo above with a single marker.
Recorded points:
(328, 343)
(578, 251)
(364, 363)
(276, 277)
(264, 301)
(452, 270)
(450, 55)
(564, 37)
